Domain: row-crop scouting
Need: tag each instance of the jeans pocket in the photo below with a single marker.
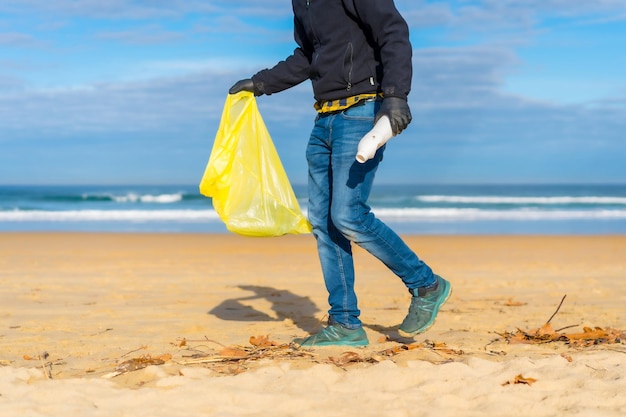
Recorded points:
(365, 111)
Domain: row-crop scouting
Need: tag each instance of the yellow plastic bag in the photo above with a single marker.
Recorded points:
(245, 178)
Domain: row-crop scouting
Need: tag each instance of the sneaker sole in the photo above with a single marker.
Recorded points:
(430, 323)
(314, 341)
(324, 344)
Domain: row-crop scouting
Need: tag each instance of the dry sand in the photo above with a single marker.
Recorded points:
(74, 307)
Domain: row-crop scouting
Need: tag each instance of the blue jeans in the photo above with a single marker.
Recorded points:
(338, 188)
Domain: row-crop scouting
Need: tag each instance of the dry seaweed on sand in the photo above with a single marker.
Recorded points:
(520, 379)
(547, 334)
(349, 357)
(260, 347)
(137, 363)
(439, 347)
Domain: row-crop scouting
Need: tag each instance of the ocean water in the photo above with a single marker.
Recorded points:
(408, 209)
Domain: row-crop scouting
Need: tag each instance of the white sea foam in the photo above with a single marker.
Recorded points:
(399, 214)
(108, 215)
(520, 200)
(148, 198)
(468, 214)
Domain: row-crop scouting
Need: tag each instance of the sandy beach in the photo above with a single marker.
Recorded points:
(199, 325)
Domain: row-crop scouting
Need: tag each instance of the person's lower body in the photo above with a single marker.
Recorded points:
(339, 188)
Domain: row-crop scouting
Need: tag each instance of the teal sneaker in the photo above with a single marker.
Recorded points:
(335, 335)
(424, 307)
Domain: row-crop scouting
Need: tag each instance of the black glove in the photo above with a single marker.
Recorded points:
(397, 109)
(244, 85)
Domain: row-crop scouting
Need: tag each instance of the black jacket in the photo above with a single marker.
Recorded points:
(345, 47)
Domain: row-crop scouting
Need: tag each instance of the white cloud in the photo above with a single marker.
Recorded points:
(10, 83)
(498, 15)
(144, 35)
(234, 27)
(214, 66)
(19, 40)
(457, 98)
(461, 77)
(146, 9)
(136, 9)
(155, 106)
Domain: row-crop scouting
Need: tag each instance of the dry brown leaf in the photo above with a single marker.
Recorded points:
(588, 333)
(375, 357)
(450, 351)
(262, 341)
(437, 346)
(400, 348)
(142, 362)
(520, 379)
(512, 303)
(441, 347)
(514, 338)
(546, 334)
(545, 330)
(261, 348)
(165, 357)
(233, 352)
(345, 358)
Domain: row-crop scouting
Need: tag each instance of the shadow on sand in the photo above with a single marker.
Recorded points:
(285, 305)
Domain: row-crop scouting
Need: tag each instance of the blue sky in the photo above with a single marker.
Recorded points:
(131, 91)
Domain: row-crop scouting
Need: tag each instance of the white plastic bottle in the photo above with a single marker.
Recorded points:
(374, 139)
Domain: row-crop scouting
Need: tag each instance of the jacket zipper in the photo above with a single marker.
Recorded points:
(350, 64)
(315, 39)
(349, 84)
(308, 3)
